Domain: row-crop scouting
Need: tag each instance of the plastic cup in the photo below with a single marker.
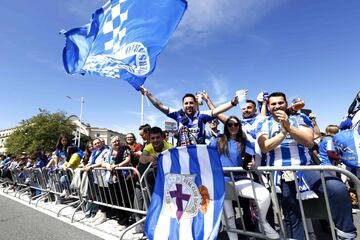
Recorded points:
(242, 97)
(199, 98)
(297, 103)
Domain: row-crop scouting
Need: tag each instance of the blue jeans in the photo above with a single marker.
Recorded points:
(340, 205)
(64, 181)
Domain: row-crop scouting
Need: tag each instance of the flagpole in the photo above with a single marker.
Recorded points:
(142, 109)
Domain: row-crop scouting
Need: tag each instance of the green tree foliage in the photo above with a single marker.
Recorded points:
(39, 132)
(84, 139)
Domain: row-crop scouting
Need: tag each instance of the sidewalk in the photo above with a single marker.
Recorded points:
(109, 230)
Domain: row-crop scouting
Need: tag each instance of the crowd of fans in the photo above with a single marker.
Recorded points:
(279, 135)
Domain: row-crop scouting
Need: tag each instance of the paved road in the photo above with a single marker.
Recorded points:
(19, 222)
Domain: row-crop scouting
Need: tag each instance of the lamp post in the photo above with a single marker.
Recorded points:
(78, 132)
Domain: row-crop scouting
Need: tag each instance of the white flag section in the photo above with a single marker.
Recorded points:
(188, 196)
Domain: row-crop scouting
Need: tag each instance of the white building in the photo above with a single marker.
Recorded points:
(94, 132)
(4, 134)
(105, 134)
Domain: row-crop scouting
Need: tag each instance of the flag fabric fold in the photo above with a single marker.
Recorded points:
(188, 195)
(123, 39)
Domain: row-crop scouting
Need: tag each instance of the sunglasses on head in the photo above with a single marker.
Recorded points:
(232, 124)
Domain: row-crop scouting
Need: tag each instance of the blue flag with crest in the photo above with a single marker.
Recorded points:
(123, 39)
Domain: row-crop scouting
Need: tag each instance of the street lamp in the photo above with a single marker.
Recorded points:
(77, 137)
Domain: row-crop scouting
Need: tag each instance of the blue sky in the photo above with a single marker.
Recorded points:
(304, 48)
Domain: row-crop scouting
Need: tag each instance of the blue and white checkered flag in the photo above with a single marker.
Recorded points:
(123, 39)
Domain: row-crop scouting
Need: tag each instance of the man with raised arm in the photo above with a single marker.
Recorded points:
(190, 121)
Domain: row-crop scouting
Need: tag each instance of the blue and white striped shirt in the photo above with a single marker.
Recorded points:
(326, 145)
(196, 124)
(289, 152)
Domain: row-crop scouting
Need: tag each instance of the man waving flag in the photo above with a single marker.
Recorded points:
(123, 39)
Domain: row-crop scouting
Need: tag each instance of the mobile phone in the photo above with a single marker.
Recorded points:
(305, 111)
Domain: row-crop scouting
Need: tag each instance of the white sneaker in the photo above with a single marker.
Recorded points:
(67, 194)
(97, 215)
(120, 227)
(63, 193)
(269, 231)
(101, 219)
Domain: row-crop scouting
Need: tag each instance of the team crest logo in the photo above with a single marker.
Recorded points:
(183, 197)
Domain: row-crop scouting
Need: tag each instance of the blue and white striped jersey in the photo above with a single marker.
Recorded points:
(326, 145)
(249, 126)
(195, 124)
(289, 152)
(347, 144)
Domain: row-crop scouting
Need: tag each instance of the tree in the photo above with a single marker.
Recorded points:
(84, 140)
(39, 132)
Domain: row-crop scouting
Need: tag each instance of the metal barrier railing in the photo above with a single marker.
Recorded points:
(144, 185)
(268, 171)
(116, 189)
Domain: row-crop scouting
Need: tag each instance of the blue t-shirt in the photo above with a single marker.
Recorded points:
(63, 154)
(325, 145)
(195, 124)
(347, 145)
(235, 156)
(40, 163)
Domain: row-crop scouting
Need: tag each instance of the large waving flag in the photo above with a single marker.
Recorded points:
(123, 39)
(188, 195)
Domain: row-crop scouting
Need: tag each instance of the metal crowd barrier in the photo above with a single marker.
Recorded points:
(19, 178)
(116, 191)
(124, 187)
(144, 185)
(6, 182)
(307, 210)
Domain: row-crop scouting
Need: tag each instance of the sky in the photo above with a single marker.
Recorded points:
(308, 49)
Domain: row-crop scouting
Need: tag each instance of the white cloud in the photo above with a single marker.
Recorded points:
(39, 59)
(151, 116)
(170, 98)
(206, 18)
(219, 89)
(84, 8)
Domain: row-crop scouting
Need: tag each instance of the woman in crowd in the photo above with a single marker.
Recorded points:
(87, 154)
(60, 155)
(135, 148)
(121, 184)
(72, 162)
(232, 149)
(99, 155)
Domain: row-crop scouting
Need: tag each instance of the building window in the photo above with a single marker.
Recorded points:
(98, 135)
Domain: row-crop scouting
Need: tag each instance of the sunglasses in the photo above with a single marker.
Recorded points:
(232, 124)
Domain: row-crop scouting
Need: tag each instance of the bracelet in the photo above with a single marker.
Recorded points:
(232, 103)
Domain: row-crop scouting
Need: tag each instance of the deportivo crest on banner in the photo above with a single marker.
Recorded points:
(183, 197)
